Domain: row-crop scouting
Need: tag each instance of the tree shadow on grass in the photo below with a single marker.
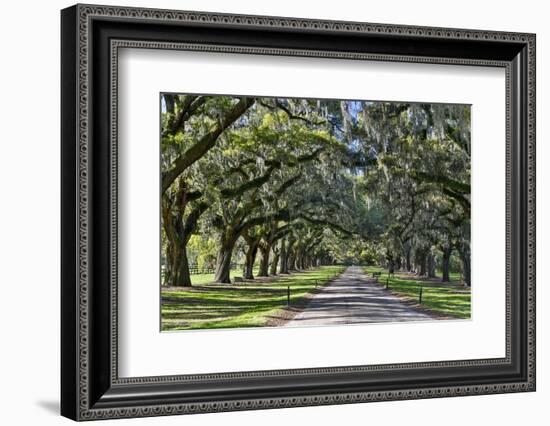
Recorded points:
(230, 305)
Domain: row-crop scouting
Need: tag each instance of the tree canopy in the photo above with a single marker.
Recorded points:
(304, 182)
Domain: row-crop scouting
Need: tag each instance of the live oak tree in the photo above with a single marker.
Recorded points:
(296, 183)
(422, 174)
(191, 126)
(264, 162)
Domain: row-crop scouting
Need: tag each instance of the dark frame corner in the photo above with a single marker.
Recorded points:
(90, 386)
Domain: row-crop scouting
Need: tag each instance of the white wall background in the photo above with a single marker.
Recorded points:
(29, 213)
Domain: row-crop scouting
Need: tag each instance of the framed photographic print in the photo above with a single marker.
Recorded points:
(263, 212)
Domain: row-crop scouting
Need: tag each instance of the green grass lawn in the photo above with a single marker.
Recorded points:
(249, 304)
(450, 299)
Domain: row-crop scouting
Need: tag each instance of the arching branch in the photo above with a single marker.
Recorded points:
(204, 144)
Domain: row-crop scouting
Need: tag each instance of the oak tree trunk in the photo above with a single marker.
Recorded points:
(249, 260)
(398, 263)
(177, 234)
(445, 263)
(466, 268)
(180, 269)
(264, 261)
(292, 261)
(223, 261)
(420, 260)
(431, 265)
(408, 260)
(283, 267)
(274, 264)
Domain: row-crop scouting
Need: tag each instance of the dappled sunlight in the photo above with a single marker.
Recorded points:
(270, 207)
(449, 299)
(221, 306)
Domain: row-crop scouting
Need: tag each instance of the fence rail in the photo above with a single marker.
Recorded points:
(195, 270)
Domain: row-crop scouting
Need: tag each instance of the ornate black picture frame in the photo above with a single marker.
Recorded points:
(91, 36)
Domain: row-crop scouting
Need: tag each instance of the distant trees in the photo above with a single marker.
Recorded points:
(422, 177)
(295, 183)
